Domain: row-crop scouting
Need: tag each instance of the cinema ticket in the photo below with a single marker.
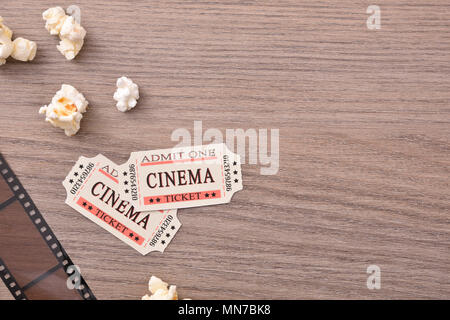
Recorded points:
(181, 177)
(93, 190)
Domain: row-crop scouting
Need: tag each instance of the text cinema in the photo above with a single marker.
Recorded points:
(179, 178)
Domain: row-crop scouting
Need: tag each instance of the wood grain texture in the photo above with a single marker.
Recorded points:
(364, 141)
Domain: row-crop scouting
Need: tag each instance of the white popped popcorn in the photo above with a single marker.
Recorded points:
(54, 19)
(70, 32)
(6, 48)
(66, 109)
(24, 50)
(4, 30)
(126, 95)
(156, 283)
(19, 49)
(69, 49)
(159, 290)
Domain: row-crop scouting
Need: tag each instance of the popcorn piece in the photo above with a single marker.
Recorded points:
(159, 290)
(6, 48)
(163, 294)
(66, 109)
(54, 19)
(72, 38)
(70, 32)
(156, 283)
(126, 95)
(20, 49)
(69, 49)
(4, 30)
(24, 50)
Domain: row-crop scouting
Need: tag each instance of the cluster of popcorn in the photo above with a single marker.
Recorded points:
(68, 105)
(66, 109)
(160, 290)
(70, 32)
(20, 49)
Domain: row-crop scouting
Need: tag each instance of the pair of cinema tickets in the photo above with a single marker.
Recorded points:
(138, 201)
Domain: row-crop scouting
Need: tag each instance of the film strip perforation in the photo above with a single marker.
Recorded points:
(46, 233)
(11, 282)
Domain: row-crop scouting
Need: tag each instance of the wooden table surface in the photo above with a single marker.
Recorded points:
(364, 141)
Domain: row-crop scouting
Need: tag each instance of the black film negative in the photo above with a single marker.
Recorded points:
(33, 264)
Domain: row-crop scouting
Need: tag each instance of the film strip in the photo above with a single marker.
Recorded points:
(33, 264)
